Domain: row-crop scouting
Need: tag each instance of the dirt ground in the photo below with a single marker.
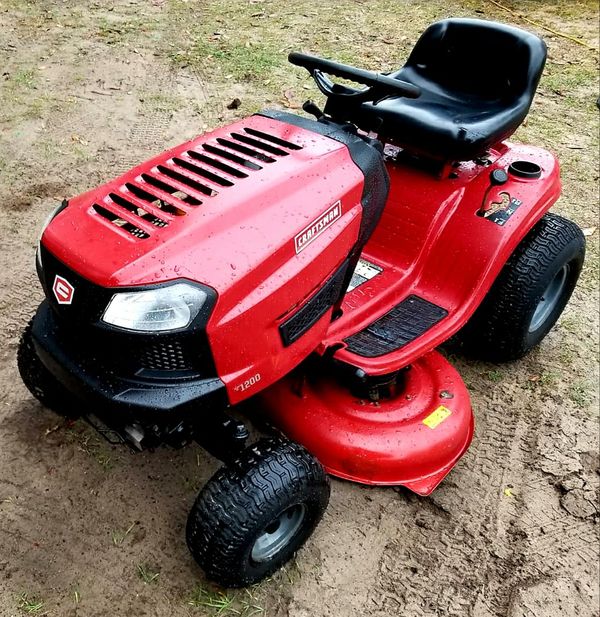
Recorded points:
(89, 88)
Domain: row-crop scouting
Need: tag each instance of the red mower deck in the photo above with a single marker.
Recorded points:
(413, 440)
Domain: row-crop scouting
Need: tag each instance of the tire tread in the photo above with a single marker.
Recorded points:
(498, 329)
(274, 470)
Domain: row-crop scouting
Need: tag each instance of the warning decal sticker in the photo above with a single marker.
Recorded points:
(436, 417)
(364, 271)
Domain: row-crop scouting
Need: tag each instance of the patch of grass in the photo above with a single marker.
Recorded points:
(38, 107)
(125, 30)
(580, 393)
(21, 100)
(249, 61)
(147, 574)
(495, 375)
(291, 571)
(219, 602)
(92, 445)
(548, 378)
(570, 323)
(544, 381)
(570, 81)
(104, 460)
(249, 608)
(251, 41)
(566, 356)
(81, 154)
(162, 102)
(244, 603)
(118, 537)
(24, 78)
(30, 605)
(17, 105)
(50, 148)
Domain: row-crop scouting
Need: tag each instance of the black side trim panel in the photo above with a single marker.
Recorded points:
(398, 327)
(312, 310)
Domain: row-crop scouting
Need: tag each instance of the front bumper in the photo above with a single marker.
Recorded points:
(117, 397)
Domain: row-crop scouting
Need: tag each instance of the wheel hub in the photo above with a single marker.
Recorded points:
(549, 299)
(278, 533)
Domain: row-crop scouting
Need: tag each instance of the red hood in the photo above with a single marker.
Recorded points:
(247, 186)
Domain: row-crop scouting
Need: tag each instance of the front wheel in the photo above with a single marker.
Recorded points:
(253, 515)
(40, 382)
(529, 294)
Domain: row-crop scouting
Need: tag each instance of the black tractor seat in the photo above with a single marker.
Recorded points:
(477, 81)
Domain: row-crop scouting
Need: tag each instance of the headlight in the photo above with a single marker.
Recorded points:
(155, 310)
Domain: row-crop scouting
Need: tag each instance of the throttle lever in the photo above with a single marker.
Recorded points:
(310, 107)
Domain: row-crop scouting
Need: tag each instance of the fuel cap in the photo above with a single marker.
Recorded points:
(498, 176)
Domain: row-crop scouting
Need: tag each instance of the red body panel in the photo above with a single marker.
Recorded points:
(239, 228)
(431, 243)
(379, 443)
(239, 240)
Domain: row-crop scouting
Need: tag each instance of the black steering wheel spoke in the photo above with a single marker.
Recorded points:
(378, 86)
(332, 89)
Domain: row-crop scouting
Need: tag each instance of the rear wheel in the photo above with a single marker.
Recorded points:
(253, 515)
(40, 382)
(529, 294)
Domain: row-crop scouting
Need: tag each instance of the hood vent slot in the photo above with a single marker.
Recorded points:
(245, 150)
(153, 200)
(228, 169)
(224, 154)
(200, 171)
(119, 222)
(194, 184)
(272, 138)
(255, 143)
(170, 190)
(147, 216)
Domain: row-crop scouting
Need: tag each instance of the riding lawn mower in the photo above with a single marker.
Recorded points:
(300, 271)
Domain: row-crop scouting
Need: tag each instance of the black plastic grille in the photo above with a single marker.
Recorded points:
(132, 356)
(165, 356)
(310, 312)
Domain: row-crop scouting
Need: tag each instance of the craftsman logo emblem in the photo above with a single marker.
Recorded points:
(63, 290)
(318, 226)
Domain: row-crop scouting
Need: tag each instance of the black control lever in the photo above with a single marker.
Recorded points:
(310, 107)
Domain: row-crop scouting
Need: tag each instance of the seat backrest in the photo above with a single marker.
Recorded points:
(479, 58)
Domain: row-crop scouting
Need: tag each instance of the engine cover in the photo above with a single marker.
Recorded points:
(263, 211)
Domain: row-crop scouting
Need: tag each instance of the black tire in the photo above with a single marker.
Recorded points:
(41, 383)
(548, 260)
(267, 482)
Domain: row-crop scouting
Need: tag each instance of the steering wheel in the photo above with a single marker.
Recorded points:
(378, 86)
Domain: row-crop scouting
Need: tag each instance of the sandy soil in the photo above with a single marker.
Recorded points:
(87, 89)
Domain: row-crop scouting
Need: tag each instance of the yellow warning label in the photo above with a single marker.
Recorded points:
(437, 417)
